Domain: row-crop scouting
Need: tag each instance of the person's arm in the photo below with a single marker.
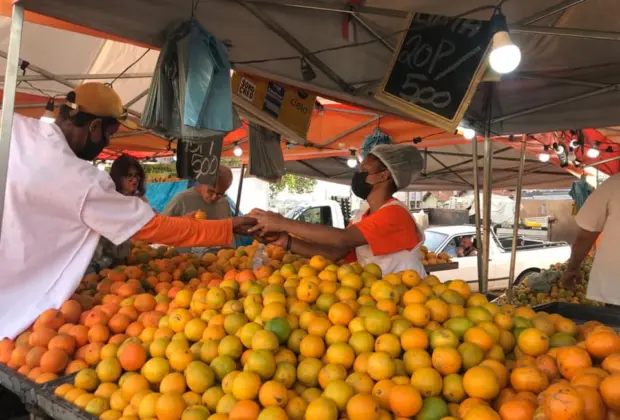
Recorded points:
(188, 232)
(119, 218)
(591, 221)
(342, 239)
(581, 247)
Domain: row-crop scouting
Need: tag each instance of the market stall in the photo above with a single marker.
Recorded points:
(311, 386)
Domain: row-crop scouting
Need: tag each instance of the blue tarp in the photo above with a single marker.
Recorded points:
(580, 191)
(160, 193)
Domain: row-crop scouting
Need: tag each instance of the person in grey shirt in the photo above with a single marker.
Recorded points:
(210, 200)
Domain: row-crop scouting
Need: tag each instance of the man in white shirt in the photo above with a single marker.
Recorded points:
(58, 205)
(600, 215)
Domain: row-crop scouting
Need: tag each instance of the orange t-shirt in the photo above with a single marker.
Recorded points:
(186, 232)
(390, 229)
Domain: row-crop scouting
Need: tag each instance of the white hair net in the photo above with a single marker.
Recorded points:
(403, 161)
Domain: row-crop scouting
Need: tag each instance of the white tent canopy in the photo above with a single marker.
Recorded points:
(568, 77)
(450, 168)
(65, 53)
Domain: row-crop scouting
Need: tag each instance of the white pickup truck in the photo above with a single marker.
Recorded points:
(532, 255)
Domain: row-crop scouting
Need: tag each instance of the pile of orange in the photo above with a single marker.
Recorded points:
(182, 337)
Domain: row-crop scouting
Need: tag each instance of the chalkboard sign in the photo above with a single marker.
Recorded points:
(200, 161)
(436, 68)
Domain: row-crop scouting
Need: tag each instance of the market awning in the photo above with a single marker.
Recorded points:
(568, 76)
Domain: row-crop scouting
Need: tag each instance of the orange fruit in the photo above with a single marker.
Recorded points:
(62, 342)
(517, 409)
(601, 344)
(169, 407)
(571, 359)
(611, 363)
(132, 356)
(405, 400)
(446, 360)
(594, 406)
(362, 407)
(481, 382)
(562, 402)
(244, 410)
(53, 361)
(610, 391)
(533, 342)
(529, 379)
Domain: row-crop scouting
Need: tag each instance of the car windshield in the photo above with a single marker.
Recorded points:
(432, 240)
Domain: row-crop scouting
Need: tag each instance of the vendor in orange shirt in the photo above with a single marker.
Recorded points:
(386, 234)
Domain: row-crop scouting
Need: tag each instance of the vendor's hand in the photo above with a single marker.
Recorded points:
(267, 222)
(277, 239)
(242, 225)
(192, 214)
(570, 278)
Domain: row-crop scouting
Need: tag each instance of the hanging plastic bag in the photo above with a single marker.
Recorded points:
(189, 96)
(208, 99)
(266, 157)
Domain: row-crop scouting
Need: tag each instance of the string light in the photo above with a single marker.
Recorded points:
(544, 156)
(594, 151)
(48, 115)
(307, 72)
(505, 56)
(468, 133)
(352, 161)
(237, 151)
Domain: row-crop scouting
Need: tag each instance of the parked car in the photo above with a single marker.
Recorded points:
(532, 255)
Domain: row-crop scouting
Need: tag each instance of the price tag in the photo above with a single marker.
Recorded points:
(437, 67)
(200, 161)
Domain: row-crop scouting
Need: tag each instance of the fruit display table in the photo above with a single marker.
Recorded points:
(40, 400)
(581, 314)
(432, 268)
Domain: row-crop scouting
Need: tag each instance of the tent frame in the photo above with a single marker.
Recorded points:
(13, 62)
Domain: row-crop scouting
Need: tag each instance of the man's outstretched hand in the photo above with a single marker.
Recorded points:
(242, 225)
(570, 278)
(266, 222)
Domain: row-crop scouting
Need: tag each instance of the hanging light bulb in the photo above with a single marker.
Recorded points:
(352, 161)
(48, 115)
(307, 72)
(594, 151)
(468, 133)
(505, 56)
(544, 156)
(237, 151)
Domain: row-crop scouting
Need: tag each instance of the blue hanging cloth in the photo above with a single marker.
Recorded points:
(208, 99)
(580, 191)
(375, 138)
(159, 194)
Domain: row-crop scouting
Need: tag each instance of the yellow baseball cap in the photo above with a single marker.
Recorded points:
(101, 100)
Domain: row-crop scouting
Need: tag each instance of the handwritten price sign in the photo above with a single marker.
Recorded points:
(437, 67)
(200, 161)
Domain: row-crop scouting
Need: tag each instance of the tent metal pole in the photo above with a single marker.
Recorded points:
(137, 98)
(550, 11)
(347, 132)
(238, 203)
(273, 26)
(476, 205)
(450, 170)
(600, 162)
(515, 226)
(106, 76)
(8, 98)
(487, 187)
(56, 78)
(374, 33)
(565, 32)
(555, 103)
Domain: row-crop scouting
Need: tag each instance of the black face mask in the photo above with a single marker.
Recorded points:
(359, 186)
(91, 149)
